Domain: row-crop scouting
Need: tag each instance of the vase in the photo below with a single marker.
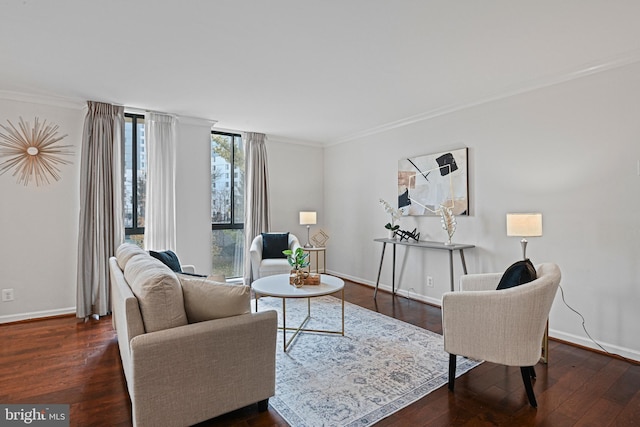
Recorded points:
(392, 234)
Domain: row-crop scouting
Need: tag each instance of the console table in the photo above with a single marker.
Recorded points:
(425, 245)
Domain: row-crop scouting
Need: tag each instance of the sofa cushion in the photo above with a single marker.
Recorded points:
(158, 291)
(125, 252)
(168, 258)
(517, 274)
(273, 244)
(207, 300)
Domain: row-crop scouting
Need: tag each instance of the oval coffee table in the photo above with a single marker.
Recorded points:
(278, 286)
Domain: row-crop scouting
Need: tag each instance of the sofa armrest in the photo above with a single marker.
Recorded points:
(255, 252)
(190, 372)
(191, 269)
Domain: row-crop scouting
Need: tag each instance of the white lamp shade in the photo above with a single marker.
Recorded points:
(524, 224)
(307, 218)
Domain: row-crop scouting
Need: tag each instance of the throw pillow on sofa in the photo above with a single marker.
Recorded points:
(125, 252)
(207, 300)
(158, 291)
(168, 258)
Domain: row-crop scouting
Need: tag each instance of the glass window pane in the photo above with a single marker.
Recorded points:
(238, 190)
(136, 239)
(227, 248)
(142, 172)
(221, 146)
(128, 172)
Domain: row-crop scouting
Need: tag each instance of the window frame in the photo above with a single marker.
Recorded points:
(135, 229)
(232, 185)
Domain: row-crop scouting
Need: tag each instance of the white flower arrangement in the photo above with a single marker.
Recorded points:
(396, 214)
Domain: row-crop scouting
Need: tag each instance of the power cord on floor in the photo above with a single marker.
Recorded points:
(587, 332)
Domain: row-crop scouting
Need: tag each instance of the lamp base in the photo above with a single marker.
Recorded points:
(308, 244)
(523, 243)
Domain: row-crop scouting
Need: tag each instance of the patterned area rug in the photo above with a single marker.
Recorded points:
(380, 366)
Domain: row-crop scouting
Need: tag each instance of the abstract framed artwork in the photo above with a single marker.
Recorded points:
(425, 183)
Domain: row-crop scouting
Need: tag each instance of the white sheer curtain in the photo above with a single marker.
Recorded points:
(256, 202)
(101, 227)
(160, 215)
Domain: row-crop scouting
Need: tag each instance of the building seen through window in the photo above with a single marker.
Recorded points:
(227, 204)
(135, 178)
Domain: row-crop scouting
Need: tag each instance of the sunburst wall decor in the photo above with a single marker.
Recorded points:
(32, 151)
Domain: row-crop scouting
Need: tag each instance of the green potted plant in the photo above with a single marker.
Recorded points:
(298, 260)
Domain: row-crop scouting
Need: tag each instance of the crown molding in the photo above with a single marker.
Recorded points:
(294, 141)
(54, 101)
(585, 70)
(197, 121)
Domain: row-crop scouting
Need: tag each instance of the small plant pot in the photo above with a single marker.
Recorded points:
(297, 278)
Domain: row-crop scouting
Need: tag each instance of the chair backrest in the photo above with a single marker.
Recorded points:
(502, 326)
(537, 298)
(255, 252)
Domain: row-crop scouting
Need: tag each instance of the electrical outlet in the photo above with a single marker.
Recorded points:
(429, 282)
(7, 295)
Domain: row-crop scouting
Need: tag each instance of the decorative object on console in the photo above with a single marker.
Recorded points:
(308, 219)
(395, 216)
(33, 151)
(409, 235)
(524, 225)
(448, 221)
(427, 182)
(320, 239)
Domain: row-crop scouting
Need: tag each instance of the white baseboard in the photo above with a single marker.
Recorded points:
(36, 314)
(399, 291)
(586, 342)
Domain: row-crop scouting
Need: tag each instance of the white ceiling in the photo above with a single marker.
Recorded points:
(321, 71)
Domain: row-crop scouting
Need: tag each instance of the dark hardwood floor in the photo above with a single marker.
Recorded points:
(62, 360)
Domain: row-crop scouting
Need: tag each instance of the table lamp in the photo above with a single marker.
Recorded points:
(308, 219)
(524, 225)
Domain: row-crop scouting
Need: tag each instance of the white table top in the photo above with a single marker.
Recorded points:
(278, 286)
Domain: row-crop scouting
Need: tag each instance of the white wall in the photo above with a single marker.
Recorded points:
(193, 193)
(39, 225)
(295, 184)
(569, 151)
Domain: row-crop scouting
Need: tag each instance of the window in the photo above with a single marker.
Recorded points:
(227, 204)
(135, 178)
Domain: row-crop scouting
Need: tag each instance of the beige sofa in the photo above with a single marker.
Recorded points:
(180, 368)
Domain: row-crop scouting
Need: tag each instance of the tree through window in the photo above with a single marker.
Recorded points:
(227, 203)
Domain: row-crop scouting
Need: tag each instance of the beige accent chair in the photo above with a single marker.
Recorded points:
(500, 326)
(268, 267)
(188, 354)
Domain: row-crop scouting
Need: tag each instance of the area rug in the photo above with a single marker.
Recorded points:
(380, 366)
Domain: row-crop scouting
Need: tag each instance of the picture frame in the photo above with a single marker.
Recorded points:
(427, 182)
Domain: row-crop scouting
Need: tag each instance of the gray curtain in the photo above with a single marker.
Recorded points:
(256, 202)
(101, 228)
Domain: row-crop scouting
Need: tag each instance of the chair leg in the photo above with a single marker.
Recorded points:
(527, 372)
(263, 405)
(533, 372)
(452, 371)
